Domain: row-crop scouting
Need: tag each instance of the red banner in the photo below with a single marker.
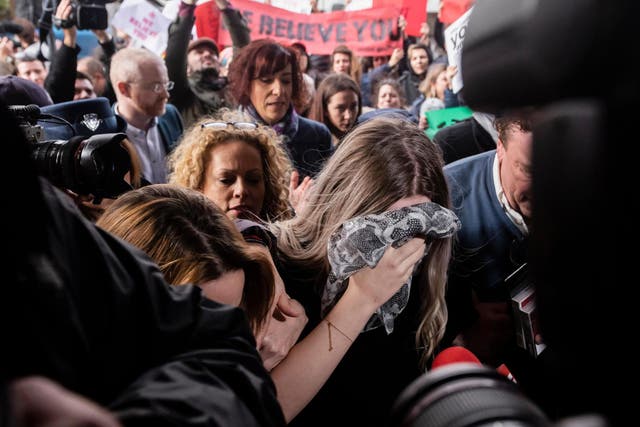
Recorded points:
(450, 10)
(365, 32)
(414, 11)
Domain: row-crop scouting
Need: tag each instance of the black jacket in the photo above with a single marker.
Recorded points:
(94, 314)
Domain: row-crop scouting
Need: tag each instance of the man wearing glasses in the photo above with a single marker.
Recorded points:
(139, 78)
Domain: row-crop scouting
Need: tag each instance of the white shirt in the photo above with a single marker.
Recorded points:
(150, 150)
(512, 214)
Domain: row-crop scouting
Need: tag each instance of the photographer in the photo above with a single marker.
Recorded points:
(94, 315)
(60, 82)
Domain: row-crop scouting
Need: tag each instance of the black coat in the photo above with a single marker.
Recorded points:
(94, 314)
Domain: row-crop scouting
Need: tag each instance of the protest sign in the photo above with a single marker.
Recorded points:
(366, 32)
(146, 25)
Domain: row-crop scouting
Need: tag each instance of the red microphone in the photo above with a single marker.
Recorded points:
(452, 355)
(457, 354)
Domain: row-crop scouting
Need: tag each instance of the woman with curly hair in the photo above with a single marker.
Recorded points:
(242, 167)
(238, 164)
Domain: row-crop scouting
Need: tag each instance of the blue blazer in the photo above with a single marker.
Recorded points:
(488, 246)
(170, 127)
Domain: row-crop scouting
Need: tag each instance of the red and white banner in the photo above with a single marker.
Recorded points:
(366, 32)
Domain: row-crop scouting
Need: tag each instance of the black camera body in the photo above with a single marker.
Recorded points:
(86, 15)
(94, 165)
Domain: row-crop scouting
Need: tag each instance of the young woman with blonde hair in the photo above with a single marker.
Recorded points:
(367, 257)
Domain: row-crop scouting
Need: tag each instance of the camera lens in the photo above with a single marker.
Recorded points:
(463, 395)
(95, 165)
(55, 161)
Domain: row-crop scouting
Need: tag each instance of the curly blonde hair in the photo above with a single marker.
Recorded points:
(188, 163)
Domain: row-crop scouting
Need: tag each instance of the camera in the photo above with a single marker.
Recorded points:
(86, 165)
(465, 394)
(86, 14)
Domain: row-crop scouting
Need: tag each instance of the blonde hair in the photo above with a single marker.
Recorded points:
(189, 161)
(379, 162)
(428, 85)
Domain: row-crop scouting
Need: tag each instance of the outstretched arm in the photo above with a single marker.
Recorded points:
(60, 81)
(310, 362)
(176, 54)
(235, 23)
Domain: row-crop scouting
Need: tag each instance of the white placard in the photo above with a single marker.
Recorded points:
(146, 25)
(453, 41)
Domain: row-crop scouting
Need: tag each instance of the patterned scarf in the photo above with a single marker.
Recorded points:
(362, 241)
(287, 127)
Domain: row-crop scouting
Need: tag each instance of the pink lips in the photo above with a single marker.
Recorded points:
(241, 210)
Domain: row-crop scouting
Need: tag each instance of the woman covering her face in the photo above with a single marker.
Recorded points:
(367, 257)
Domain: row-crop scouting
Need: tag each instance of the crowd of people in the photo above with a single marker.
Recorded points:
(288, 247)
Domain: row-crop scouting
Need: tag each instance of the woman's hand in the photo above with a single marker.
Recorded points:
(377, 285)
(396, 57)
(283, 328)
(298, 193)
(282, 331)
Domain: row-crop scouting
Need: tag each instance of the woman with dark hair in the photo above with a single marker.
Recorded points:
(418, 60)
(309, 82)
(388, 94)
(337, 104)
(266, 81)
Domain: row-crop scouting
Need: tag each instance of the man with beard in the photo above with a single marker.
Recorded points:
(140, 81)
(193, 65)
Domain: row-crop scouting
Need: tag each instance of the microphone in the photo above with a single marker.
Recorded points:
(455, 354)
(25, 110)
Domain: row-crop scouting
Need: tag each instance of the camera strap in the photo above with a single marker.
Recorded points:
(44, 27)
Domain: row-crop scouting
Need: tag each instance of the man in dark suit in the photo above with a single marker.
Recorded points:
(140, 81)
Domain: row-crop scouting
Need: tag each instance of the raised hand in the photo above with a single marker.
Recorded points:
(376, 285)
(298, 192)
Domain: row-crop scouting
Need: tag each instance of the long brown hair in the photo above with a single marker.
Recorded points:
(328, 87)
(192, 241)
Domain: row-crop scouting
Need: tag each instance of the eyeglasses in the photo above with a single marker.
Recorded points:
(157, 87)
(225, 125)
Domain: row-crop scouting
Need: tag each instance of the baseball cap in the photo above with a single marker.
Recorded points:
(204, 42)
(15, 90)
